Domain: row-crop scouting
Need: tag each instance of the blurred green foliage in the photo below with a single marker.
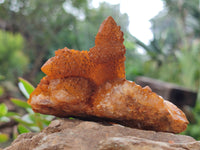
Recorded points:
(176, 43)
(174, 52)
(12, 59)
(27, 122)
(134, 61)
(193, 128)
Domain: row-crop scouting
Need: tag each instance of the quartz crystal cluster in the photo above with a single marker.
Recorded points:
(92, 84)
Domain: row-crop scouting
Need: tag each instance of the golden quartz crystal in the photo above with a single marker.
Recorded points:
(92, 84)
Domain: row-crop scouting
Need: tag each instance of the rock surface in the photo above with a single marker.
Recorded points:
(87, 135)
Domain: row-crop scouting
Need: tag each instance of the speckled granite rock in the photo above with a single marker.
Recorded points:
(87, 135)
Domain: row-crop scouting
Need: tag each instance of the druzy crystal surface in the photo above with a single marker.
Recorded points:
(92, 84)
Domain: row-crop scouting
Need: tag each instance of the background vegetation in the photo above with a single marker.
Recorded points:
(31, 30)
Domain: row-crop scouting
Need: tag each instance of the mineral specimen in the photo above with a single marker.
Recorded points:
(92, 84)
(105, 61)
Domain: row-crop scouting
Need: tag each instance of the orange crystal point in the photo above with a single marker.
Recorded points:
(108, 43)
(108, 54)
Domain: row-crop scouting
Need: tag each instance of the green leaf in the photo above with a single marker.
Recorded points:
(35, 129)
(3, 137)
(4, 119)
(28, 118)
(38, 120)
(3, 110)
(22, 129)
(21, 121)
(32, 118)
(12, 114)
(29, 110)
(47, 117)
(25, 87)
(20, 103)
